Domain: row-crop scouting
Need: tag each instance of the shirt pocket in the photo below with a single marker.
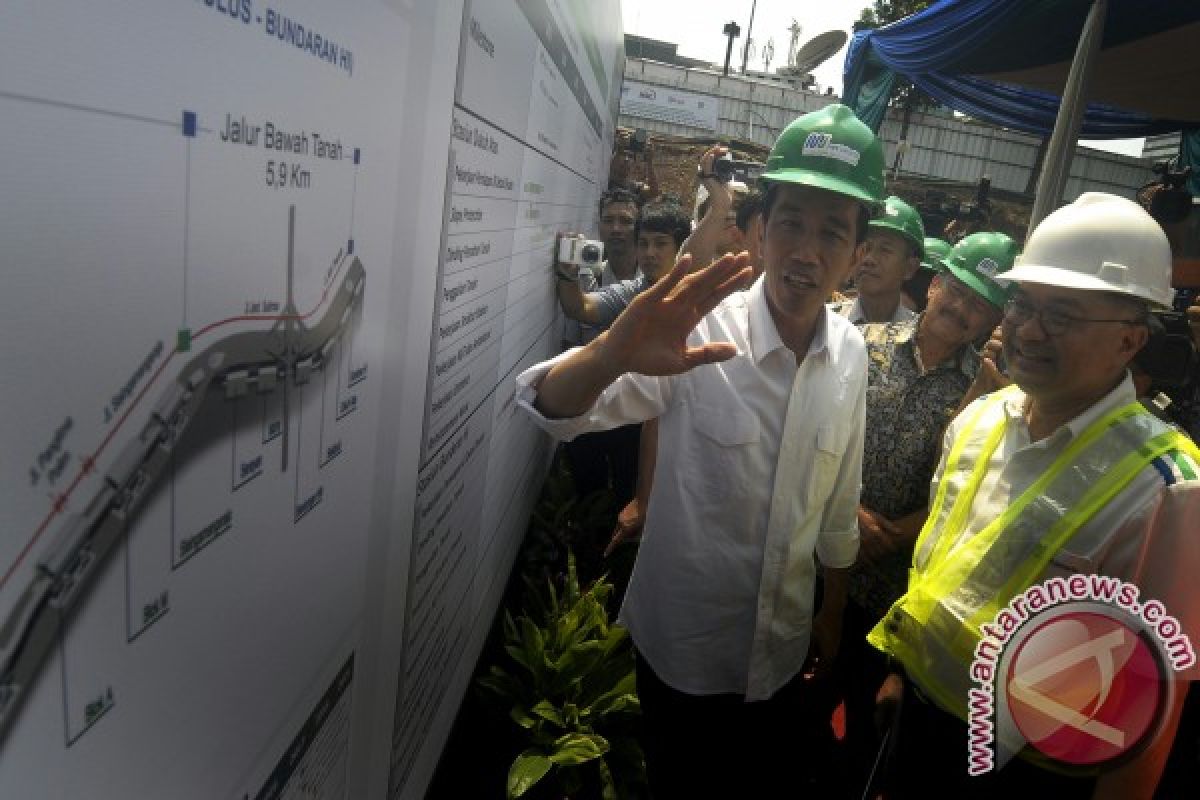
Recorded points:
(726, 439)
(828, 449)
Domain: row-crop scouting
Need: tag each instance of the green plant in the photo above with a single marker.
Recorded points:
(564, 520)
(570, 688)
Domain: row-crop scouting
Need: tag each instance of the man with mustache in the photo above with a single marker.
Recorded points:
(1063, 473)
(760, 398)
(893, 254)
(917, 374)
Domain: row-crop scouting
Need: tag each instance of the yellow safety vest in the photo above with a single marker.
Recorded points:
(934, 627)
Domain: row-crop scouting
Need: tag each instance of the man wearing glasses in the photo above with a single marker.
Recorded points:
(1013, 495)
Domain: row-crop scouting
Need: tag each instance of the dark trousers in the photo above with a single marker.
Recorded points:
(931, 760)
(858, 672)
(718, 746)
(598, 460)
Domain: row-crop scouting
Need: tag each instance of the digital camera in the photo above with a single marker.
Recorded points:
(727, 168)
(580, 251)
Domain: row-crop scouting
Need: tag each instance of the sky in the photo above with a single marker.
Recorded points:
(695, 25)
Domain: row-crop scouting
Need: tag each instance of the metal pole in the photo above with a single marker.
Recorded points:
(749, 33)
(731, 30)
(1057, 165)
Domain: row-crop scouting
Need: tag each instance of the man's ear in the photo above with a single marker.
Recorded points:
(913, 264)
(934, 284)
(1133, 339)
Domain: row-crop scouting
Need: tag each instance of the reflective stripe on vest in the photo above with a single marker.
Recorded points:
(958, 586)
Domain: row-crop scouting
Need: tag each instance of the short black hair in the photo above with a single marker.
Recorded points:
(864, 214)
(752, 203)
(669, 218)
(617, 195)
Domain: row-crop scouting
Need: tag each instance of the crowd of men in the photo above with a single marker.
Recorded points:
(835, 492)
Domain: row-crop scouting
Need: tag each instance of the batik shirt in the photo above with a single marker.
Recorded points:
(908, 408)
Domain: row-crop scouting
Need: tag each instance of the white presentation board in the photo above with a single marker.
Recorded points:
(531, 137)
(269, 271)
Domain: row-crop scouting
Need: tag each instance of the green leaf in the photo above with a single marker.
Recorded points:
(517, 653)
(546, 710)
(533, 643)
(526, 770)
(622, 697)
(576, 663)
(501, 683)
(571, 593)
(609, 790)
(578, 748)
(521, 716)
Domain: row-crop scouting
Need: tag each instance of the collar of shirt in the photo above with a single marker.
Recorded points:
(1123, 394)
(764, 336)
(853, 311)
(607, 276)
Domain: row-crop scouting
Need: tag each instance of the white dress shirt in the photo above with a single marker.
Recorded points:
(1147, 534)
(759, 464)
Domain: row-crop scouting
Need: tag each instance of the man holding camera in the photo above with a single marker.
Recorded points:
(618, 232)
(1062, 474)
(661, 230)
(612, 455)
(719, 198)
(759, 396)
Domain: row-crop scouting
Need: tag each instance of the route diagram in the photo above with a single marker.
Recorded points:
(275, 360)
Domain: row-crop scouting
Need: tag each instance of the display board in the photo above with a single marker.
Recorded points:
(531, 136)
(270, 269)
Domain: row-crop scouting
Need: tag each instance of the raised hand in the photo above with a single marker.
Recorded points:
(629, 524)
(650, 336)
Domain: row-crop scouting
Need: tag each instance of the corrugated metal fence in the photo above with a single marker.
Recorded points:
(939, 145)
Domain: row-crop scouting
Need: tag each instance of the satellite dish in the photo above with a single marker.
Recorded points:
(818, 50)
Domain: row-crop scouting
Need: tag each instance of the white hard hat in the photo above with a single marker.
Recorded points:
(1101, 242)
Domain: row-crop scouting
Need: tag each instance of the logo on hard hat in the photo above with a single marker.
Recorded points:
(988, 267)
(822, 146)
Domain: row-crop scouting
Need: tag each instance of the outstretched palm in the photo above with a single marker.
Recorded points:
(650, 336)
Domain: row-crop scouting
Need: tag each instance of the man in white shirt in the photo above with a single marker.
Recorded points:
(760, 397)
(1063, 474)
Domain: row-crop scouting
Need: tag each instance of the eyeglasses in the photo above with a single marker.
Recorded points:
(1018, 311)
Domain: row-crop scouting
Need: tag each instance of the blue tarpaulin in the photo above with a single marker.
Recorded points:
(1006, 61)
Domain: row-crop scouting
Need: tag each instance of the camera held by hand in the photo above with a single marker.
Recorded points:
(727, 168)
(580, 251)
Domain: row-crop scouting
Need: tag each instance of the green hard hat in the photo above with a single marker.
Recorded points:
(935, 250)
(976, 261)
(830, 149)
(899, 217)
